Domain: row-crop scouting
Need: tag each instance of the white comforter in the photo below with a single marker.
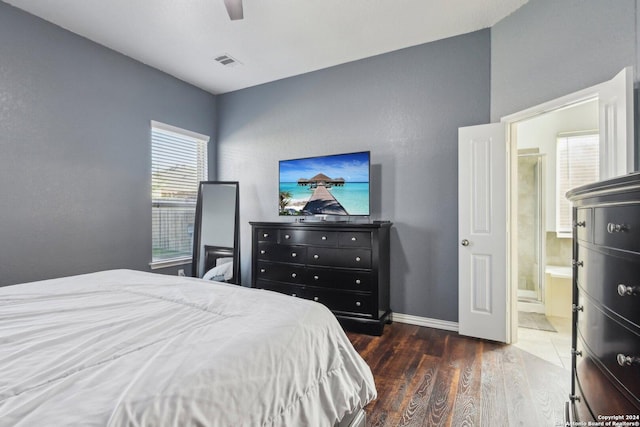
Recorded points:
(124, 347)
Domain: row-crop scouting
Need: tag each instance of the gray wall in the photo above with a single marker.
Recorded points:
(550, 48)
(405, 107)
(75, 187)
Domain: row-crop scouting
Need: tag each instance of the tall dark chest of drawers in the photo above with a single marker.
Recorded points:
(345, 266)
(606, 301)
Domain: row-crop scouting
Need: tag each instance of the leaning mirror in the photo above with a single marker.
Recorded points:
(216, 250)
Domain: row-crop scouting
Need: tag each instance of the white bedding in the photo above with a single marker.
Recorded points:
(124, 347)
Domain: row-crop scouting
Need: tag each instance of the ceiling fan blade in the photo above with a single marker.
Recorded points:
(234, 9)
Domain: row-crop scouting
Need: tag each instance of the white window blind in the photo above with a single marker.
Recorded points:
(578, 163)
(178, 164)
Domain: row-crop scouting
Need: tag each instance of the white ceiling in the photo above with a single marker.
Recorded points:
(276, 39)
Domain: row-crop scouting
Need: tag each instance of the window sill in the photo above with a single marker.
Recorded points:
(165, 263)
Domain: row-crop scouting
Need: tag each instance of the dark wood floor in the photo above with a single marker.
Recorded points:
(430, 377)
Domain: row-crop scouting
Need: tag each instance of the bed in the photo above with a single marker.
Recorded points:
(124, 347)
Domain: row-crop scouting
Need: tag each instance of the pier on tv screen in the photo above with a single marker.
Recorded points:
(336, 184)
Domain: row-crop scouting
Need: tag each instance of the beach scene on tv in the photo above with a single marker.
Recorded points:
(327, 185)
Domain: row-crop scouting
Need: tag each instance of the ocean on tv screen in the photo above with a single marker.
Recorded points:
(353, 197)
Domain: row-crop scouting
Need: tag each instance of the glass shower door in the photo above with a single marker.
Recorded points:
(530, 228)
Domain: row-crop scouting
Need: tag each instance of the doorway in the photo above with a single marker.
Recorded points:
(544, 249)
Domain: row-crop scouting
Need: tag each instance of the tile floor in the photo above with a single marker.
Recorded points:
(554, 347)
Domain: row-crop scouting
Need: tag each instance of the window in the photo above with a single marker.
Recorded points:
(577, 163)
(178, 164)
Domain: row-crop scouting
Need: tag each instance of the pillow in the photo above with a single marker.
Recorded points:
(220, 272)
(223, 260)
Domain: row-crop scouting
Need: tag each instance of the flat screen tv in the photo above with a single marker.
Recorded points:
(335, 184)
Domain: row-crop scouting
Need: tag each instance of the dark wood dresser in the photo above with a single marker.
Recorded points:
(606, 302)
(345, 266)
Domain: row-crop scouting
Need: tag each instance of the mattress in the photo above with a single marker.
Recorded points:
(129, 348)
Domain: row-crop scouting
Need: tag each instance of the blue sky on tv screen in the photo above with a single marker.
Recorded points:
(352, 167)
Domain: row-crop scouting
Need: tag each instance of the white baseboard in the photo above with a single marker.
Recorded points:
(425, 321)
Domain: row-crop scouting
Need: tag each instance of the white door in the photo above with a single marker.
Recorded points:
(482, 232)
(615, 99)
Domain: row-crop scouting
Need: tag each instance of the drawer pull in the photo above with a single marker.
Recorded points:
(624, 360)
(358, 281)
(357, 259)
(624, 290)
(316, 278)
(316, 256)
(576, 352)
(265, 235)
(293, 254)
(577, 224)
(578, 263)
(262, 270)
(294, 275)
(316, 298)
(353, 239)
(358, 303)
(616, 228)
(324, 237)
(574, 398)
(286, 236)
(577, 307)
(263, 252)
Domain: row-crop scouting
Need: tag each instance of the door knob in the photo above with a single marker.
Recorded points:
(464, 242)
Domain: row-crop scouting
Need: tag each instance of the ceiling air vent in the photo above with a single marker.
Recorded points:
(227, 60)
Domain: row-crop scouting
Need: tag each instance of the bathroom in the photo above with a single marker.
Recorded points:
(556, 151)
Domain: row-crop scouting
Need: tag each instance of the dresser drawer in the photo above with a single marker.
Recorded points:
(594, 385)
(340, 279)
(343, 257)
(618, 227)
(281, 253)
(613, 282)
(355, 239)
(291, 273)
(309, 237)
(608, 341)
(584, 224)
(267, 235)
(283, 288)
(359, 303)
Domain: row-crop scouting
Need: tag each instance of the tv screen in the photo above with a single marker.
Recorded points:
(336, 184)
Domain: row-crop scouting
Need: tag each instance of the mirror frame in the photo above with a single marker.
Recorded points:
(195, 260)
